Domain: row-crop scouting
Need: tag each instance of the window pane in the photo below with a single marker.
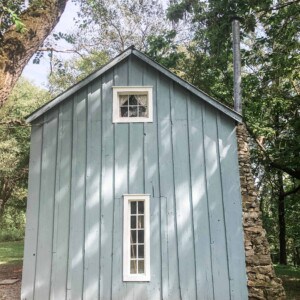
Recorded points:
(141, 207)
(133, 207)
(132, 236)
(142, 100)
(141, 266)
(133, 111)
(141, 251)
(133, 100)
(133, 267)
(124, 111)
(143, 111)
(133, 222)
(123, 100)
(133, 251)
(141, 236)
(140, 222)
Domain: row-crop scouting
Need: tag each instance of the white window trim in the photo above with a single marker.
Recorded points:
(126, 238)
(119, 90)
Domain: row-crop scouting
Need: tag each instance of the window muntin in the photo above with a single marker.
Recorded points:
(137, 234)
(136, 248)
(132, 104)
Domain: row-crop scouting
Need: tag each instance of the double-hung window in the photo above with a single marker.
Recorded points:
(136, 239)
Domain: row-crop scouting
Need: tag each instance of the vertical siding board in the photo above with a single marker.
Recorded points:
(199, 202)
(107, 193)
(151, 175)
(215, 206)
(32, 212)
(62, 203)
(76, 259)
(169, 252)
(232, 207)
(182, 195)
(136, 137)
(47, 198)
(75, 206)
(92, 218)
(121, 185)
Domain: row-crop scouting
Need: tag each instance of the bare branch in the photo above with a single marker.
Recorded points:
(51, 49)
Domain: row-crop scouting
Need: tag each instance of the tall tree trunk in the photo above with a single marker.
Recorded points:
(281, 221)
(17, 48)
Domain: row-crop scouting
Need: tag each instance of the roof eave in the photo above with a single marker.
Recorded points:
(213, 102)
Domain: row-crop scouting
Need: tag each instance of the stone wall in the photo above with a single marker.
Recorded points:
(262, 281)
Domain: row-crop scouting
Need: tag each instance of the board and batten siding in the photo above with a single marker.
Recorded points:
(81, 164)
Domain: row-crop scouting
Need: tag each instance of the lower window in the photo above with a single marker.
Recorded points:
(136, 247)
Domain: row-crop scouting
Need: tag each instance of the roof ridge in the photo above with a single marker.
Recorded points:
(123, 55)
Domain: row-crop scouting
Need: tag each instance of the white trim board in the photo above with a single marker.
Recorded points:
(127, 198)
(119, 90)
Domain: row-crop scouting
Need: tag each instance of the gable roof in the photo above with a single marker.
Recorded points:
(132, 51)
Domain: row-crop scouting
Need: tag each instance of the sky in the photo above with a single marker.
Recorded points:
(37, 73)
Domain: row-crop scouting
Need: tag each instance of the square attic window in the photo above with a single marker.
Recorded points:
(132, 104)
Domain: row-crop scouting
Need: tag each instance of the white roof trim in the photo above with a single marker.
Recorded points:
(218, 105)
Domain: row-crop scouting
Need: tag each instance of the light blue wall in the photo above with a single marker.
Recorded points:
(81, 164)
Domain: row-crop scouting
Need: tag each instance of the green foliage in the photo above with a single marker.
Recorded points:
(14, 156)
(290, 277)
(163, 49)
(67, 73)
(11, 252)
(111, 27)
(269, 189)
(271, 86)
(290, 271)
(9, 15)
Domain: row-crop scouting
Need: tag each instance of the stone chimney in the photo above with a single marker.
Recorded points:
(262, 280)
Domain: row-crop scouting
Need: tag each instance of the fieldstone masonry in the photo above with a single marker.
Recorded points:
(262, 281)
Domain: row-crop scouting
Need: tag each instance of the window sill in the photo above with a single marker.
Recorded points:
(141, 277)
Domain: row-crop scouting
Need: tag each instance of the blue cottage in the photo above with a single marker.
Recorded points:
(134, 191)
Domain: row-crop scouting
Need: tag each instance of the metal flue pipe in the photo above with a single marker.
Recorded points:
(237, 65)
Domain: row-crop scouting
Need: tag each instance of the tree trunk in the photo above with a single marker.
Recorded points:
(5, 193)
(281, 222)
(17, 48)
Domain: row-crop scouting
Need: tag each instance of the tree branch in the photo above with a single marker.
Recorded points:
(279, 6)
(17, 48)
(293, 191)
(51, 49)
(272, 162)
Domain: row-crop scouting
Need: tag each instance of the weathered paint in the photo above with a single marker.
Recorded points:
(81, 164)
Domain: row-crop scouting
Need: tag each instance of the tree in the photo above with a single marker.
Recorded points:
(68, 72)
(104, 29)
(14, 145)
(119, 24)
(271, 82)
(22, 31)
(271, 67)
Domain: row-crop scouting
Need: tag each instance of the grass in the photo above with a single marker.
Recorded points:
(11, 252)
(290, 277)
